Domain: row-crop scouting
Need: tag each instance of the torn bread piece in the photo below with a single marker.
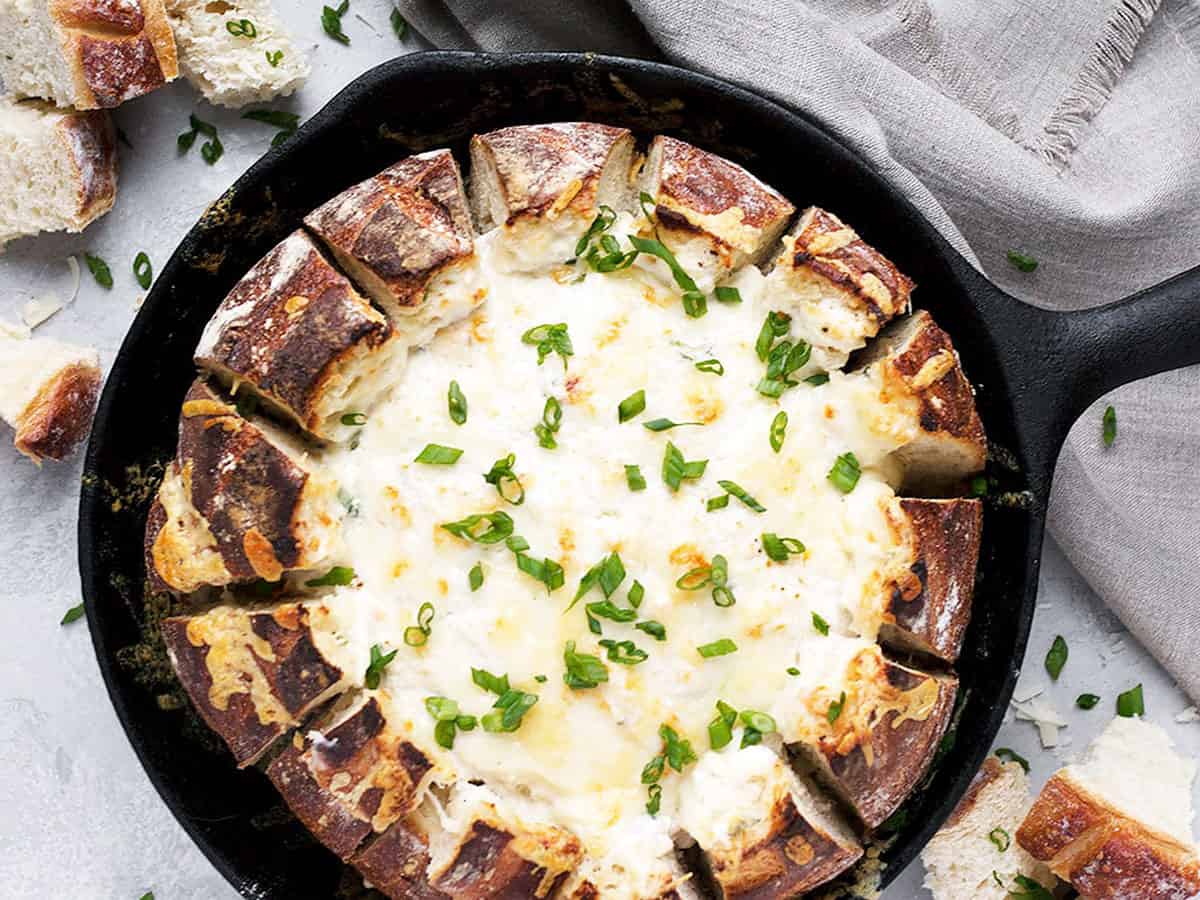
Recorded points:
(926, 404)
(405, 235)
(766, 833)
(884, 733)
(296, 334)
(839, 290)
(235, 70)
(712, 214)
(978, 843)
(351, 775)
(542, 185)
(241, 501)
(86, 54)
(1118, 824)
(253, 674)
(923, 604)
(58, 168)
(47, 394)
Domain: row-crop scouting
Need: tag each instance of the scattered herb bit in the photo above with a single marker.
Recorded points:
(608, 574)
(895, 822)
(727, 295)
(336, 577)
(399, 25)
(508, 711)
(978, 487)
(835, 709)
(678, 750)
(211, 150)
(624, 652)
(142, 270)
(665, 424)
(499, 526)
(1056, 657)
(1131, 703)
(817, 379)
(74, 614)
(540, 679)
(417, 635)
(756, 724)
(274, 58)
(653, 770)
(475, 577)
(1013, 756)
(715, 503)
(775, 325)
(1000, 838)
(505, 480)
(550, 339)
(675, 468)
(711, 365)
(636, 593)
(608, 256)
(1087, 701)
(606, 609)
(548, 427)
(792, 670)
(721, 647)
(634, 478)
(633, 405)
(1110, 426)
(457, 403)
(241, 28)
(582, 669)
(694, 303)
(695, 579)
(656, 630)
(778, 430)
(100, 271)
(778, 548)
(720, 729)
(331, 21)
(740, 492)
(439, 455)
(379, 662)
(1021, 261)
(845, 473)
(1029, 889)
(655, 801)
(546, 570)
(286, 122)
(604, 220)
(354, 419)
(496, 684)
(821, 626)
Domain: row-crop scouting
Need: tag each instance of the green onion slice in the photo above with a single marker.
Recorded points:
(438, 455)
(722, 647)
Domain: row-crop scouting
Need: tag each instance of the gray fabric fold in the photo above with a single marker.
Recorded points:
(1067, 130)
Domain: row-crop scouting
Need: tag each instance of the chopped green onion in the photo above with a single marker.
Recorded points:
(143, 271)
(636, 593)
(1030, 889)
(655, 801)
(715, 503)
(100, 271)
(331, 21)
(756, 725)
(694, 304)
(818, 379)
(500, 526)
(417, 635)
(274, 58)
(675, 468)
(548, 427)
(1086, 701)
(508, 711)
(457, 402)
(695, 579)
(438, 455)
(634, 478)
(1021, 261)
(582, 669)
(603, 221)
(241, 28)
(1000, 838)
(1014, 756)
(75, 613)
(720, 729)
(442, 709)
(665, 424)
(505, 480)
(547, 571)
(475, 577)
(399, 25)
(722, 647)
(631, 406)
(727, 295)
(739, 492)
(608, 574)
(821, 626)
(835, 709)
(496, 684)
(1131, 703)
(678, 750)
(792, 670)
(606, 609)
(656, 630)
(711, 365)
(337, 576)
(845, 473)
(624, 652)
(978, 487)
(1056, 657)
(775, 325)
(778, 548)
(778, 430)
(653, 770)
(1110, 426)
(211, 150)
(379, 662)
(286, 122)
(354, 419)
(550, 339)
(682, 279)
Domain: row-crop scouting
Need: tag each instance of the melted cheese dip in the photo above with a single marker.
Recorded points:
(577, 758)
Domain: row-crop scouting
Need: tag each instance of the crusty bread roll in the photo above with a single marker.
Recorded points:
(58, 168)
(88, 54)
(232, 70)
(1118, 824)
(47, 393)
(979, 839)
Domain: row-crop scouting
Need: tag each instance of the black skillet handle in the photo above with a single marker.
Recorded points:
(1062, 362)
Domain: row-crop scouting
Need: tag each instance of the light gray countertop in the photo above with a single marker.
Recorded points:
(79, 818)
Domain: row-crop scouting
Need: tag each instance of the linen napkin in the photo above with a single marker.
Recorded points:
(1068, 130)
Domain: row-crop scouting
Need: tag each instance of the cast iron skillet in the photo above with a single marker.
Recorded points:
(1035, 371)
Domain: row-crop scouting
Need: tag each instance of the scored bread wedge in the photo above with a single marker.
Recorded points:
(923, 603)
(766, 833)
(241, 501)
(1117, 824)
(253, 674)
(47, 394)
(351, 775)
(58, 168)
(838, 289)
(405, 235)
(236, 69)
(542, 185)
(86, 54)
(883, 736)
(713, 215)
(296, 334)
(975, 855)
